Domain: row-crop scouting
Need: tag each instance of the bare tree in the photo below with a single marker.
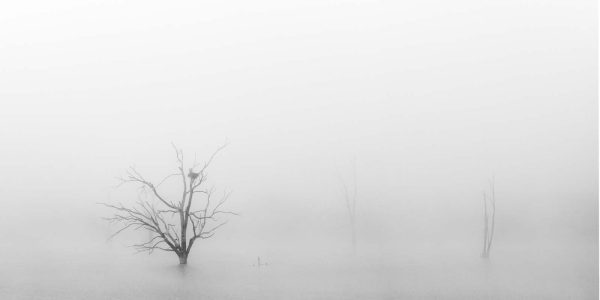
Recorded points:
(350, 200)
(489, 218)
(174, 225)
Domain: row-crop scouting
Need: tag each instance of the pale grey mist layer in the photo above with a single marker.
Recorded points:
(424, 101)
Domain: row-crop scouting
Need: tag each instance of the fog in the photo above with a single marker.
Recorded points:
(422, 101)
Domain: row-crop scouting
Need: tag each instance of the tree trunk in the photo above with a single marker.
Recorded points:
(183, 259)
(353, 238)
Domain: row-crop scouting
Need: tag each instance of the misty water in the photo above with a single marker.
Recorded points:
(416, 104)
(538, 271)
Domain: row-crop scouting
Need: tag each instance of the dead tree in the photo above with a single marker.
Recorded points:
(174, 225)
(350, 200)
(489, 218)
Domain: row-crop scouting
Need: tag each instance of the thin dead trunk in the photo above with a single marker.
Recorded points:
(489, 222)
(493, 212)
(350, 199)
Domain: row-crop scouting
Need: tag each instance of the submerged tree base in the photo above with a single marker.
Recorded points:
(183, 260)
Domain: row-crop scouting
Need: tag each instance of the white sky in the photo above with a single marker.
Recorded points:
(430, 97)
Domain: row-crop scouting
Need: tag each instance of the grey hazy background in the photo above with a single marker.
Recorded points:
(429, 98)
